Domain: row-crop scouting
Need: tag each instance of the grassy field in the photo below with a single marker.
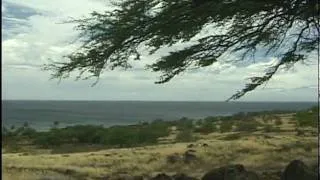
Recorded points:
(259, 151)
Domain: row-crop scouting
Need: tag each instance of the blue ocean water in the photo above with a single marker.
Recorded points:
(42, 114)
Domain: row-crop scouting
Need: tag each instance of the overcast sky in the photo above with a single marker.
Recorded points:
(32, 32)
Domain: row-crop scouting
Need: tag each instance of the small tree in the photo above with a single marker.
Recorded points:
(25, 124)
(199, 122)
(265, 118)
(226, 126)
(56, 124)
(12, 127)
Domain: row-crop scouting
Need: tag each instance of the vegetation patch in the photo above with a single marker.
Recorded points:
(307, 118)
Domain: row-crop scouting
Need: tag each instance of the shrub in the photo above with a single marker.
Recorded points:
(300, 132)
(211, 119)
(207, 126)
(278, 122)
(226, 126)
(199, 122)
(225, 118)
(29, 132)
(247, 126)
(265, 118)
(47, 140)
(270, 128)
(307, 118)
(24, 131)
(206, 129)
(116, 136)
(25, 124)
(307, 122)
(307, 148)
(184, 123)
(12, 127)
(239, 116)
(185, 136)
(231, 137)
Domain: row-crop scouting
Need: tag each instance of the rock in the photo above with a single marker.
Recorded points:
(190, 146)
(103, 178)
(69, 171)
(173, 158)
(137, 178)
(230, 172)
(252, 176)
(266, 136)
(162, 176)
(127, 177)
(189, 157)
(205, 145)
(297, 170)
(122, 177)
(271, 175)
(183, 177)
(153, 158)
(190, 151)
(315, 167)
(48, 178)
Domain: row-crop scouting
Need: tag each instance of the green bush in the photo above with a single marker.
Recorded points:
(270, 128)
(265, 118)
(199, 122)
(300, 132)
(239, 116)
(207, 126)
(184, 123)
(226, 126)
(307, 148)
(116, 136)
(24, 131)
(307, 118)
(48, 139)
(211, 119)
(185, 136)
(231, 137)
(247, 126)
(207, 129)
(278, 121)
(29, 132)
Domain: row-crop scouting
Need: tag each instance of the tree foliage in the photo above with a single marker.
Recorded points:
(287, 29)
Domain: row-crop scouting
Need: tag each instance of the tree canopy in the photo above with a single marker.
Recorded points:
(286, 29)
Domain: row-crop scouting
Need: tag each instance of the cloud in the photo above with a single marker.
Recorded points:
(34, 33)
(3, 8)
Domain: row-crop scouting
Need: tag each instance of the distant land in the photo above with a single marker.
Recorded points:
(42, 114)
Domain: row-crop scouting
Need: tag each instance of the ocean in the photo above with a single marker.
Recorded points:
(42, 114)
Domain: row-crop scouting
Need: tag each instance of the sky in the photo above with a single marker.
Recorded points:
(33, 33)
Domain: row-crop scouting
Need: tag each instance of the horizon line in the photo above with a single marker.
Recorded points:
(148, 100)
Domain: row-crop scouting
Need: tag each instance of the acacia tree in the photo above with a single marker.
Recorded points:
(286, 29)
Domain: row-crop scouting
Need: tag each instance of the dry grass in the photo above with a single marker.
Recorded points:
(255, 151)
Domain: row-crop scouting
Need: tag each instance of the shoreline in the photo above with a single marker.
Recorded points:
(45, 128)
